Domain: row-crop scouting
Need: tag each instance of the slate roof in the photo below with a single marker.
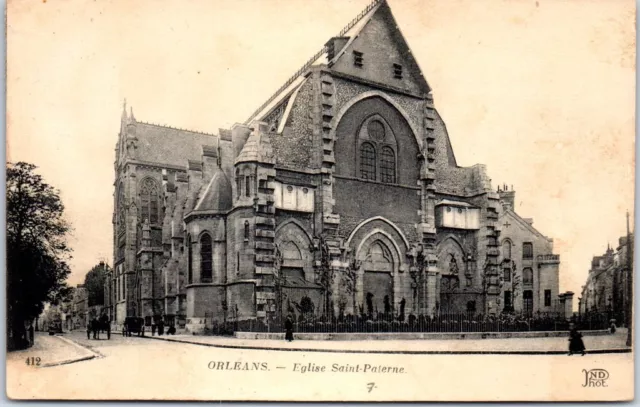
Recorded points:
(167, 145)
(217, 195)
(257, 148)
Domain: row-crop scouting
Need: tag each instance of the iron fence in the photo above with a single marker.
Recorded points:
(448, 323)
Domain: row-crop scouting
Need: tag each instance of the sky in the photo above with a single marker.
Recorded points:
(542, 92)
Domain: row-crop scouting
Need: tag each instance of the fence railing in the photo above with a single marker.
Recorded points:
(453, 323)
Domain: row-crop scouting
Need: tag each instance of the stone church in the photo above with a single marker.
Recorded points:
(340, 194)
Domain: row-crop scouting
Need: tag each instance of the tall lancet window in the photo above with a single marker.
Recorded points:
(388, 165)
(122, 214)
(246, 231)
(238, 183)
(149, 201)
(206, 259)
(506, 250)
(367, 162)
(248, 180)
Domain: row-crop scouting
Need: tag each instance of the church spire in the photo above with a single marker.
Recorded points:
(131, 116)
(124, 110)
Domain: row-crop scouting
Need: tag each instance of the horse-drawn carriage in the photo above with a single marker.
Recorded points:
(133, 325)
(99, 325)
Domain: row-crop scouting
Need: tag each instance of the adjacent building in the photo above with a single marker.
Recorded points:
(530, 269)
(79, 307)
(340, 194)
(606, 288)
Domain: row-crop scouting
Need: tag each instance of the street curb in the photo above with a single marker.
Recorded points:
(92, 355)
(391, 352)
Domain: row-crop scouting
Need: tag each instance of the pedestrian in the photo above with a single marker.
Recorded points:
(575, 341)
(288, 327)
(612, 326)
(153, 329)
(89, 330)
(160, 327)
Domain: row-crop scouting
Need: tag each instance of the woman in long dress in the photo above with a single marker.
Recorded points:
(288, 327)
(576, 345)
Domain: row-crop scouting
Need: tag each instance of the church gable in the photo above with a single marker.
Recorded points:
(514, 226)
(379, 53)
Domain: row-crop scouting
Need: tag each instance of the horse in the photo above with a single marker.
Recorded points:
(104, 326)
(96, 326)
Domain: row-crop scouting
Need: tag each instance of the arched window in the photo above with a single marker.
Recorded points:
(149, 201)
(189, 260)
(527, 250)
(206, 259)
(527, 276)
(388, 165)
(506, 250)
(367, 162)
(247, 182)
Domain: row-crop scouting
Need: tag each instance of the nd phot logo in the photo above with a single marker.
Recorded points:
(595, 378)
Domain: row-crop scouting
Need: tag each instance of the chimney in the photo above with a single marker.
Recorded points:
(226, 152)
(239, 135)
(210, 162)
(508, 197)
(334, 46)
(195, 174)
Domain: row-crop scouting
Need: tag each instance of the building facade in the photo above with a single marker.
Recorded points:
(606, 288)
(79, 307)
(530, 270)
(340, 194)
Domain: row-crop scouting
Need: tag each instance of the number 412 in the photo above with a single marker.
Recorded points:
(33, 361)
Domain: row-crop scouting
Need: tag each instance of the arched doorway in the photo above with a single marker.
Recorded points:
(379, 283)
(378, 279)
(296, 291)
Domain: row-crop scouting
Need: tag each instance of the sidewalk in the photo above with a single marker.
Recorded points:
(52, 351)
(522, 346)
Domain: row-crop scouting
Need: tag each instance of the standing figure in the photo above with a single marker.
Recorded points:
(95, 328)
(288, 327)
(575, 341)
(160, 327)
(402, 305)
